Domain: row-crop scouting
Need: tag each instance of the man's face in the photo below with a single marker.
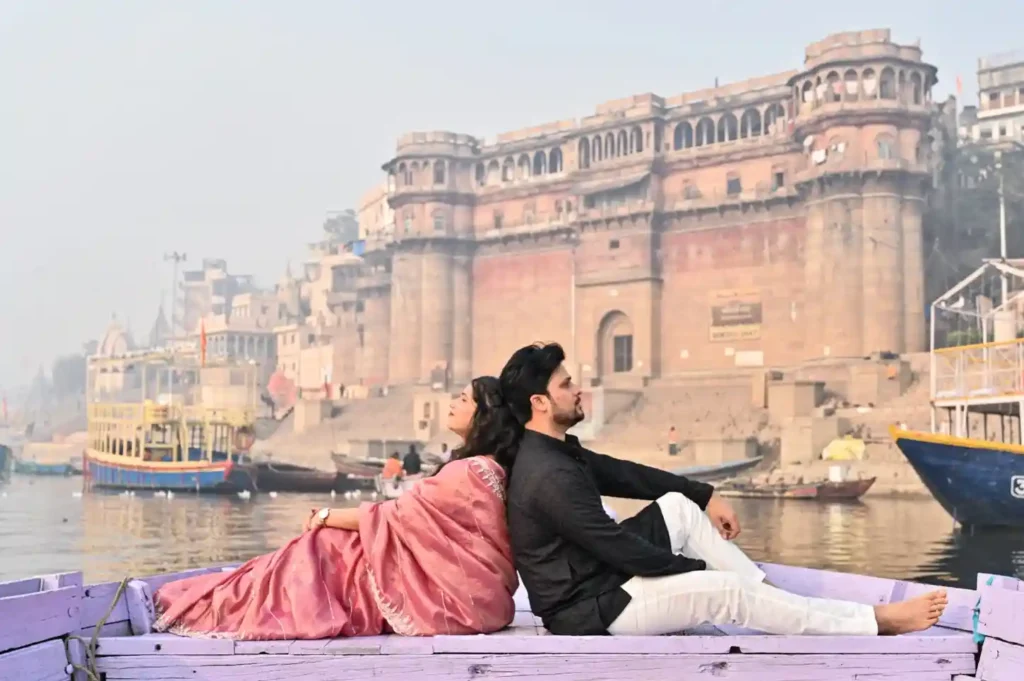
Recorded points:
(564, 399)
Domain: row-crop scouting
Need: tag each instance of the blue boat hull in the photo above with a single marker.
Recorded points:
(36, 468)
(215, 478)
(979, 483)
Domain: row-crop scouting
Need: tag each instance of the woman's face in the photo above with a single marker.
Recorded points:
(460, 413)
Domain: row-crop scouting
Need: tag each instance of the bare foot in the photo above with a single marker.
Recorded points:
(916, 614)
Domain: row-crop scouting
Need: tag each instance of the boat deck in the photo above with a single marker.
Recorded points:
(47, 610)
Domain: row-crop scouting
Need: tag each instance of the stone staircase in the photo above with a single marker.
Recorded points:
(706, 407)
(368, 419)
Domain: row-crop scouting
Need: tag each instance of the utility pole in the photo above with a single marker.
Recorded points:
(1002, 224)
(176, 259)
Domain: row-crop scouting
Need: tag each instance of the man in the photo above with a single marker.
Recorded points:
(669, 568)
(412, 464)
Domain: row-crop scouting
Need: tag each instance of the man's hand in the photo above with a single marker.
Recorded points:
(723, 517)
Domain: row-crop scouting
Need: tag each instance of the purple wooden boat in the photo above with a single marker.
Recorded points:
(55, 628)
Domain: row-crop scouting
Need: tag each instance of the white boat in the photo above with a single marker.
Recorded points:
(392, 488)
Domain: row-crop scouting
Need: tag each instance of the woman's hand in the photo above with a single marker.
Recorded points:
(308, 525)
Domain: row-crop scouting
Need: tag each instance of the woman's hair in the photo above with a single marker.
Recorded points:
(493, 431)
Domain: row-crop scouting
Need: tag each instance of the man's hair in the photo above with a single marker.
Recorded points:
(527, 373)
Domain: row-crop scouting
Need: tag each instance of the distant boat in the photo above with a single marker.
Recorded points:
(51, 468)
(6, 462)
(980, 483)
(145, 444)
(824, 490)
(717, 471)
(392, 488)
(287, 477)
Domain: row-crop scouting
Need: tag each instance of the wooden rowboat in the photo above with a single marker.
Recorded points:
(824, 490)
(42, 615)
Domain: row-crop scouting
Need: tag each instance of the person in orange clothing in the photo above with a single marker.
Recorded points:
(392, 467)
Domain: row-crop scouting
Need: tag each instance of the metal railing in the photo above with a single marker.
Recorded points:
(982, 371)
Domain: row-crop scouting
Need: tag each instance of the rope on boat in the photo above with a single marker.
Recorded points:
(89, 668)
(979, 638)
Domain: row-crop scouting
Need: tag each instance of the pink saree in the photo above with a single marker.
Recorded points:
(434, 561)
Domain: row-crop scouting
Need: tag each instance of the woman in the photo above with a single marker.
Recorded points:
(435, 561)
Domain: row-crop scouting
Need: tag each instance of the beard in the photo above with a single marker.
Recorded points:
(569, 417)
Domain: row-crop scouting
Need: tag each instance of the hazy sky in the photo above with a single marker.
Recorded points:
(228, 129)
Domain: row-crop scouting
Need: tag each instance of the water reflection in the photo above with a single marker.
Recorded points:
(48, 525)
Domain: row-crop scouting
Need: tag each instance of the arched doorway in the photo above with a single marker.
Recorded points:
(614, 345)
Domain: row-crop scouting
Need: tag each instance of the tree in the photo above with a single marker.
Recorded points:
(343, 226)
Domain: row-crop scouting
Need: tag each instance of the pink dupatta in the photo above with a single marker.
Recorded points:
(436, 560)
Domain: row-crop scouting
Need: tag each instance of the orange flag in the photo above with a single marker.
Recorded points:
(202, 342)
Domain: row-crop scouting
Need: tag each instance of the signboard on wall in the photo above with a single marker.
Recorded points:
(735, 315)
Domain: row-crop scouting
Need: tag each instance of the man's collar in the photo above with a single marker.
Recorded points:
(570, 445)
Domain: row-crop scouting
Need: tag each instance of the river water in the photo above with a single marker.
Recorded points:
(48, 525)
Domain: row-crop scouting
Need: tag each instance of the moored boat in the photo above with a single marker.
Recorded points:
(288, 477)
(822, 490)
(392, 488)
(718, 471)
(176, 443)
(980, 483)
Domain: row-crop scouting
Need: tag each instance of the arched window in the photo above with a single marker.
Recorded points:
(438, 172)
(807, 96)
(869, 83)
(493, 172)
(915, 88)
(750, 123)
(555, 161)
(887, 84)
(705, 132)
(636, 140)
(609, 146)
(481, 175)
(852, 85)
(583, 154)
(682, 136)
(774, 119)
(597, 148)
(523, 167)
(403, 175)
(622, 144)
(886, 147)
(833, 88)
(508, 170)
(728, 129)
(540, 164)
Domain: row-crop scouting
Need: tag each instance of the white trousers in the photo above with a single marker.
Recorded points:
(730, 592)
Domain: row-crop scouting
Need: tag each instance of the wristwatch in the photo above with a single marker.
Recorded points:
(322, 516)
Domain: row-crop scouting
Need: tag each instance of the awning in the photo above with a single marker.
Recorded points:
(609, 184)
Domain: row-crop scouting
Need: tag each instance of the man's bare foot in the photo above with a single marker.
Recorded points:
(916, 614)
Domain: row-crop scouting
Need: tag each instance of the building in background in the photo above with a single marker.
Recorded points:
(765, 222)
(210, 291)
(998, 119)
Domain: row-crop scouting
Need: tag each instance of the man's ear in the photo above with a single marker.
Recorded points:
(539, 402)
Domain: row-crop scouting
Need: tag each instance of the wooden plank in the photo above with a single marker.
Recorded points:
(1000, 661)
(674, 645)
(1001, 614)
(383, 645)
(39, 616)
(141, 613)
(36, 584)
(959, 613)
(97, 598)
(1000, 582)
(602, 667)
(40, 662)
(162, 644)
